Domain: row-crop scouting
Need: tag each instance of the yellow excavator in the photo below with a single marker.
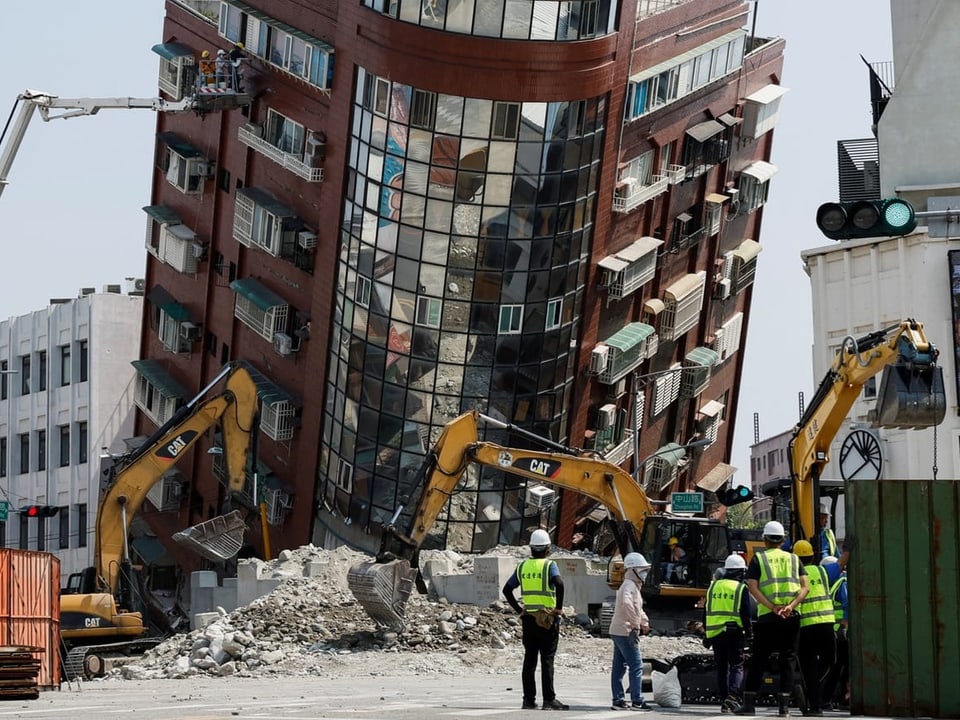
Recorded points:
(911, 395)
(383, 586)
(97, 608)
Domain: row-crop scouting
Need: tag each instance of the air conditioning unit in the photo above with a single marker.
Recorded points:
(722, 289)
(307, 240)
(732, 193)
(539, 497)
(199, 250)
(189, 331)
(598, 358)
(140, 285)
(607, 416)
(206, 168)
(618, 388)
(282, 343)
(254, 129)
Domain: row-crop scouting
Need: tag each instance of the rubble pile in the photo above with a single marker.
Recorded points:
(310, 624)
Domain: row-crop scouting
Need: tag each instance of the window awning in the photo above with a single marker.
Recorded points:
(670, 454)
(171, 51)
(180, 146)
(162, 214)
(627, 338)
(716, 198)
(711, 409)
(638, 248)
(717, 477)
(747, 250)
(182, 232)
(654, 306)
(155, 374)
(257, 293)
(702, 356)
(268, 392)
(730, 120)
(267, 202)
(767, 94)
(683, 287)
(760, 170)
(159, 296)
(705, 130)
(612, 264)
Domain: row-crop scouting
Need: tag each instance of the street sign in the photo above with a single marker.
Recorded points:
(686, 502)
(4, 509)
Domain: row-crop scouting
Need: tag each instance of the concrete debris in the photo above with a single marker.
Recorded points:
(311, 625)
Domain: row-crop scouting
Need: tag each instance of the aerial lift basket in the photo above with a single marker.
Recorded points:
(911, 397)
(216, 539)
(382, 589)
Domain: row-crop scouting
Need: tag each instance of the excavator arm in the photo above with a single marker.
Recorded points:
(236, 409)
(383, 587)
(911, 395)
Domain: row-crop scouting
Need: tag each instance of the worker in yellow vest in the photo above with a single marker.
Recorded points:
(817, 648)
(728, 625)
(778, 582)
(541, 589)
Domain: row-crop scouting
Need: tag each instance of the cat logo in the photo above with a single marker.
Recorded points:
(172, 450)
(546, 468)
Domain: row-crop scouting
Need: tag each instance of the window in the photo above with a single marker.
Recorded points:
(24, 374)
(64, 365)
(705, 145)
(41, 533)
(376, 94)
(64, 445)
(64, 517)
(506, 121)
(84, 361)
(713, 211)
(423, 109)
(511, 319)
(285, 134)
(259, 308)
(4, 386)
(41, 450)
(24, 439)
(42, 370)
(362, 294)
(755, 185)
(182, 165)
(260, 221)
(682, 304)
(170, 334)
(81, 442)
(82, 525)
(554, 314)
(24, 531)
(3, 457)
(870, 388)
(666, 389)
(176, 66)
(344, 475)
(428, 312)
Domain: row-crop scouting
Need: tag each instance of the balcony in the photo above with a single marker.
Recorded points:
(629, 195)
(249, 136)
(646, 8)
(622, 450)
(675, 173)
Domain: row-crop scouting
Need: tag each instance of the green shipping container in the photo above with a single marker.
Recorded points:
(904, 587)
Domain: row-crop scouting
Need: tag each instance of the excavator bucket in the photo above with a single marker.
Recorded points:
(216, 539)
(911, 396)
(382, 589)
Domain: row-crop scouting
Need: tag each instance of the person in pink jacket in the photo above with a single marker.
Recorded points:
(628, 623)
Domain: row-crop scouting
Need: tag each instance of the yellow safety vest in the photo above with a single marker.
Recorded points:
(817, 606)
(830, 540)
(723, 605)
(534, 577)
(779, 577)
(837, 605)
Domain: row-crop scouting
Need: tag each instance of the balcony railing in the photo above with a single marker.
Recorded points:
(290, 162)
(630, 196)
(646, 8)
(675, 173)
(620, 452)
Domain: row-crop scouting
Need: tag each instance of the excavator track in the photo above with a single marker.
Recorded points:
(382, 589)
(88, 661)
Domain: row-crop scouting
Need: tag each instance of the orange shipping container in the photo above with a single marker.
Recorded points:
(30, 607)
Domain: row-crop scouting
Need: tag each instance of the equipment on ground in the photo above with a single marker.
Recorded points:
(383, 586)
(911, 395)
(203, 100)
(103, 608)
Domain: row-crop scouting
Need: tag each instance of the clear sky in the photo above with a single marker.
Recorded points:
(71, 216)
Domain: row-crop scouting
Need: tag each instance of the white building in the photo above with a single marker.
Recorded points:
(66, 392)
(868, 284)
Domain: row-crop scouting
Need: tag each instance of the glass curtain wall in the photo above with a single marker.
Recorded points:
(464, 252)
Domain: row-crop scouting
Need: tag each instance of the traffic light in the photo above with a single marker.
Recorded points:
(734, 495)
(866, 218)
(40, 511)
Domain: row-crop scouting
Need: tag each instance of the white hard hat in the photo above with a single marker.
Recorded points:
(221, 52)
(829, 560)
(734, 562)
(539, 539)
(824, 507)
(774, 529)
(635, 560)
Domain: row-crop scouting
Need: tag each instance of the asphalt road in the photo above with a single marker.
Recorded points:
(486, 697)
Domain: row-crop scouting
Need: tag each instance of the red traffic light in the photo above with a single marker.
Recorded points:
(39, 511)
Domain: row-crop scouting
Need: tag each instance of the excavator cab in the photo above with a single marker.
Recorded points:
(684, 552)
